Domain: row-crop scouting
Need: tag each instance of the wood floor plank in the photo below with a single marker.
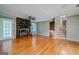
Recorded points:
(39, 45)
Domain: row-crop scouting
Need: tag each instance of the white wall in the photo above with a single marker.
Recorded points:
(43, 28)
(73, 28)
(57, 26)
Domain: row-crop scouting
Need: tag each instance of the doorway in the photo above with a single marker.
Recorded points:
(63, 21)
(52, 28)
(64, 27)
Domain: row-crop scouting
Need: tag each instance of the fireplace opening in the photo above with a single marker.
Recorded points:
(24, 31)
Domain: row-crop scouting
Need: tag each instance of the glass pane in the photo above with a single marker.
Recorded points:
(7, 28)
(34, 27)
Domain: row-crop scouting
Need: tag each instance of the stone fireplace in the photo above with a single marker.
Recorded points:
(23, 27)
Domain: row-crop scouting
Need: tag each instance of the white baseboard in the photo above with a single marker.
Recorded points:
(67, 39)
(73, 40)
(45, 33)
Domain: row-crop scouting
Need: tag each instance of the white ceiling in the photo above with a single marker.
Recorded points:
(42, 12)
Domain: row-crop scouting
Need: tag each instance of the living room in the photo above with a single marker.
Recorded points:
(39, 29)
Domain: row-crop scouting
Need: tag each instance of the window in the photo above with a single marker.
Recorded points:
(7, 24)
(34, 28)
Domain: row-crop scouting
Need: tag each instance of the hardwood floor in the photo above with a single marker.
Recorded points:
(70, 47)
(39, 45)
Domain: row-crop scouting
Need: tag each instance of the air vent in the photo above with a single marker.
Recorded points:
(77, 5)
